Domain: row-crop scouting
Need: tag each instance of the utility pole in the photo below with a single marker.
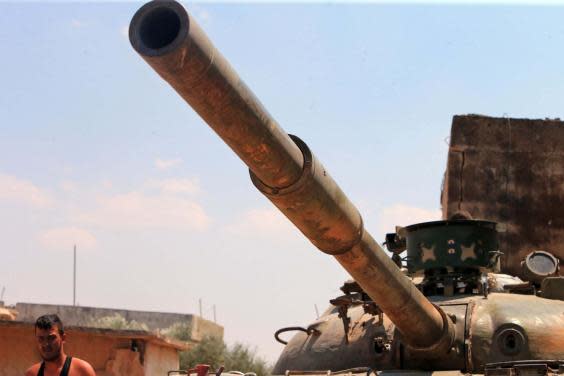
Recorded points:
(200, 302)
(214, 317)
(74, 277)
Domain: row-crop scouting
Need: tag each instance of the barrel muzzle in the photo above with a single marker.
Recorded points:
(282, 167)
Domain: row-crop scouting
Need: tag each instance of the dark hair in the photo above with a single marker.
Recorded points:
(46, 322)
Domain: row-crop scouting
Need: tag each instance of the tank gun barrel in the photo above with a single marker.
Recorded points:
(282, 167)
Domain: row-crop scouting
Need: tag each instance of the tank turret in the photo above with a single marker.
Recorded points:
(384, 320)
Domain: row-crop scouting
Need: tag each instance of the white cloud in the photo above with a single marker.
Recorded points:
(15, 190)
(124, 31)
(106, 184)
(68, 186)
(176, 186)
(271, 222)
(64, 238)
(263, 220)
(67, 169)
(154, 205)
(165, 164)
(136, 210)
(404, 215)
(76, 23)
(202, 15)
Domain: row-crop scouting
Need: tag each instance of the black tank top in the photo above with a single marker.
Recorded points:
(64, 371)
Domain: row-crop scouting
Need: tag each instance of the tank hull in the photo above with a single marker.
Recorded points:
(485, 322)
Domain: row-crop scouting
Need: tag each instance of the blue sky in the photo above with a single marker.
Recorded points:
(96, 149)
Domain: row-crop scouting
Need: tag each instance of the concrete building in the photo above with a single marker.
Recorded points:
(85, 316)
(110, 352)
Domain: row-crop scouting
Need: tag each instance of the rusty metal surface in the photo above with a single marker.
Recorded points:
(543, 367)
(553, 288)
(189, 62)
(394, 292)
(456, 358)
(317, 207)
(370, 372)
(462, 333)
(283, 169)
(482, 325)
(509, 171)
(535, 324)
(327, 349)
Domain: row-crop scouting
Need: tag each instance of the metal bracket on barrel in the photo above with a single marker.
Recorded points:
(309, 170)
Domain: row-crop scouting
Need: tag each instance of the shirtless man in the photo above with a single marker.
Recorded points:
(50, 336)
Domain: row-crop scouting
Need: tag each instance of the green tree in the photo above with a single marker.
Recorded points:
(117, 322)
(180, 331)
(210, 350)
(241, 357)
(214, 351)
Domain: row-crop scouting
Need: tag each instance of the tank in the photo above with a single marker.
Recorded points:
(442, 307)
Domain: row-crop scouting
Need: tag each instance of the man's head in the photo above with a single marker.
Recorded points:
(50, 336)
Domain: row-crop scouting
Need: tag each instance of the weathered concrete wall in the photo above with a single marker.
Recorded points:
(159, 360)
(201, 328)
(96, 350)
(83, 316)
(124, 362)
(109, 354)
(17, 349)
(510, 171)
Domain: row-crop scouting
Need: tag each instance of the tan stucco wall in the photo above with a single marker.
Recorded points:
(159, 360)
(17, 349)
(94, 349)
(109, 355)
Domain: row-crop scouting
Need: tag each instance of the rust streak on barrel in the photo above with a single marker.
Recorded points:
(282, 167)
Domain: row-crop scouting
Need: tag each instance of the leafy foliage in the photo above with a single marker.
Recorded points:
(117, 322)
(180, 331)
(210, 350)
(240, 357)
(214, 351)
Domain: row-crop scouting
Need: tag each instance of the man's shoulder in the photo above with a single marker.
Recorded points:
(80, 367)
(33, 370)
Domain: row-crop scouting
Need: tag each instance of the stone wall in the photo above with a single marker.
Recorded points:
(509, 171)
(84, 316)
